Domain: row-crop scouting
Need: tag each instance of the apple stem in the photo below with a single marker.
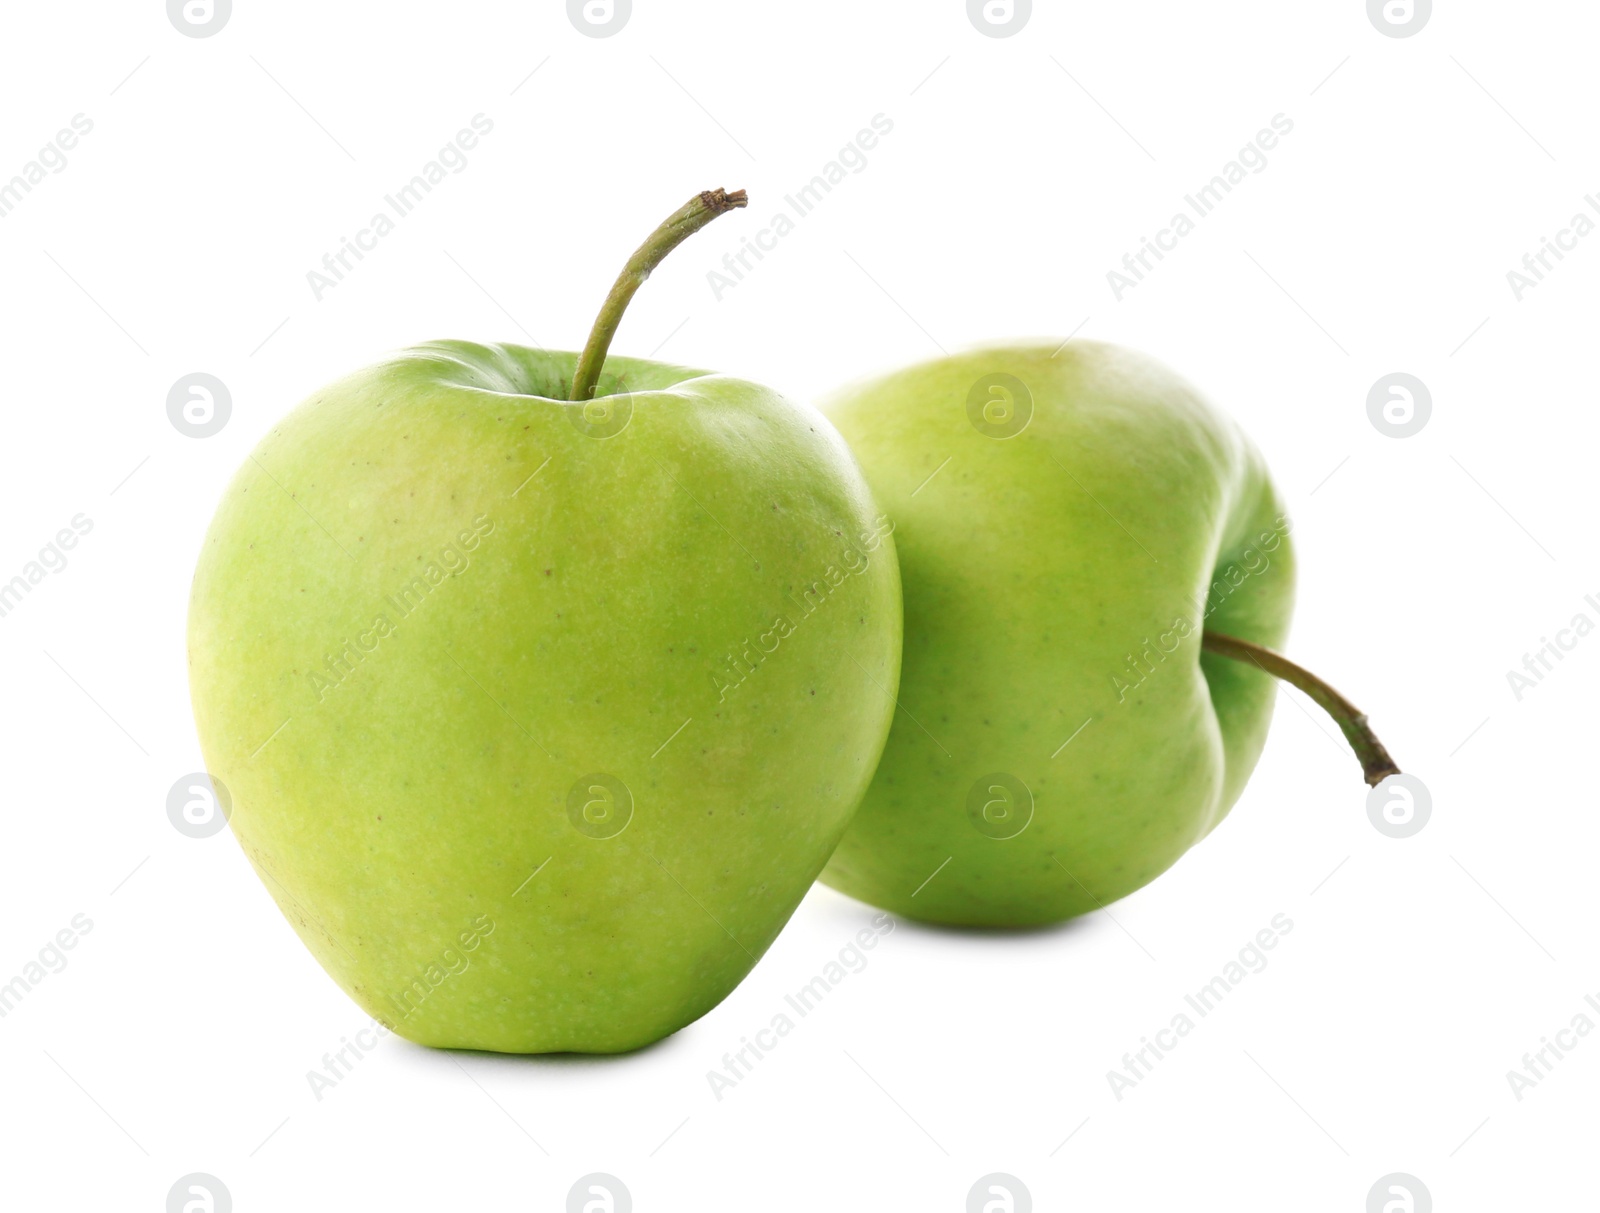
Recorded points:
(679, 226)
(1376, 765)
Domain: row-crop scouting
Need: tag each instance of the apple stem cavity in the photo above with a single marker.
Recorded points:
(679, 226)
(1376, 765)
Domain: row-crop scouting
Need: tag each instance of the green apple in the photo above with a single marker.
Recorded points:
(1072, 523)
(542, 706)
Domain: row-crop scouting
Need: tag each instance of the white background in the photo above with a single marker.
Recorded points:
(1019, 171)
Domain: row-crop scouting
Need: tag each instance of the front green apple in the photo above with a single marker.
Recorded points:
(1069, 521)
(539, 718)
(541, 712)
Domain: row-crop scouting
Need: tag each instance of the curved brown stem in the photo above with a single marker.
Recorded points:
(1376, 765)
(679, 226)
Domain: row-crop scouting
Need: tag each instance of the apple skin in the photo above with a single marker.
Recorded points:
(592, 595)
(1037, 571)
